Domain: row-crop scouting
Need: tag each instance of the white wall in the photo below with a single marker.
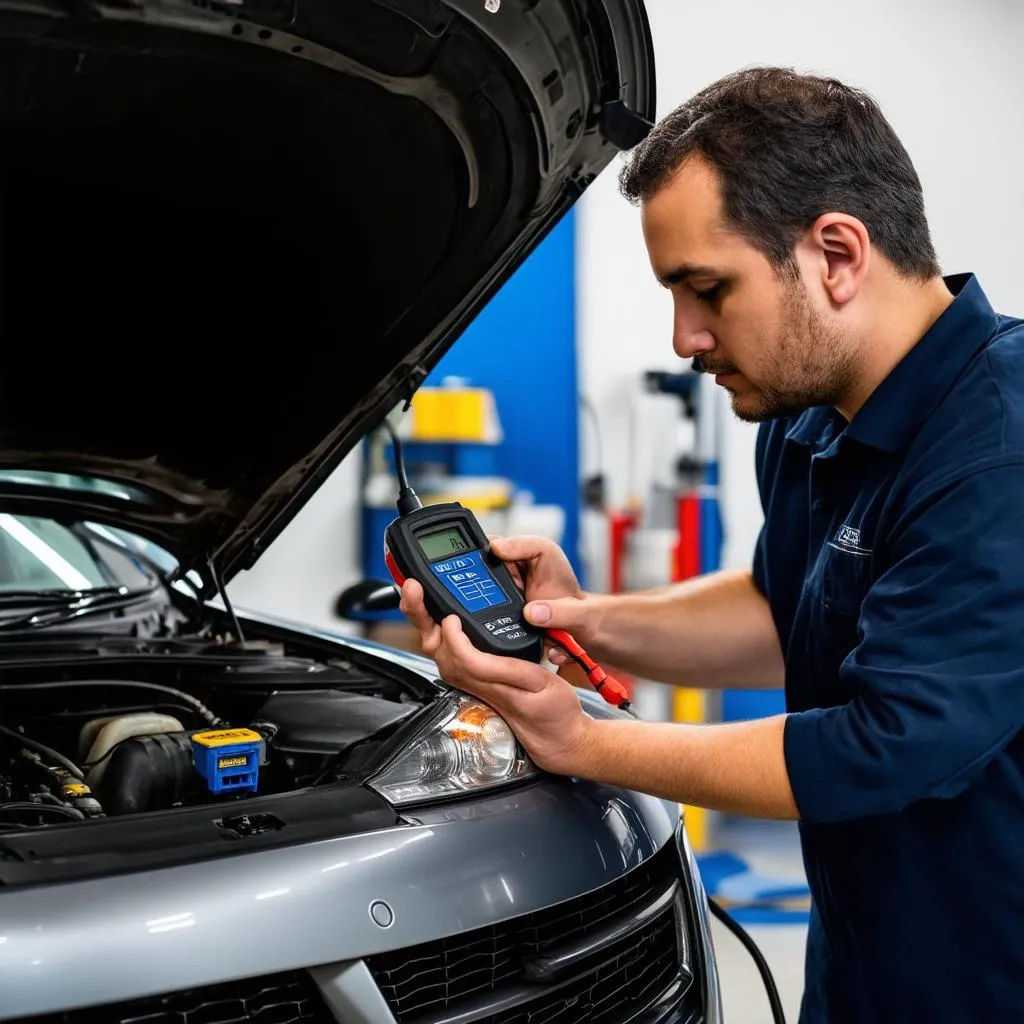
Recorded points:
(301, 573)
(950, 79)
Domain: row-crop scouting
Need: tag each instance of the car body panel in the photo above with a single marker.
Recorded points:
(195, 924)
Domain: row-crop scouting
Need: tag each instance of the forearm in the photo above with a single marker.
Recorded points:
(737, 767)
(712, 631)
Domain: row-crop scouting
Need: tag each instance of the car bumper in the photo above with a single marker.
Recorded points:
(329, 906)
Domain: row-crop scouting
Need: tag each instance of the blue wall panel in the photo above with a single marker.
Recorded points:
(522, 347)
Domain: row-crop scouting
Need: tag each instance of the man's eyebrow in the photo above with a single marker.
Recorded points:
(679, 274)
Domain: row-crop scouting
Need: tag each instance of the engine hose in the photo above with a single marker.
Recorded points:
(42, 748)
(28, 805)
(133, 684)
(778, 1016)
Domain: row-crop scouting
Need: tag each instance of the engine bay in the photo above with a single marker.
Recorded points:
(142, 725)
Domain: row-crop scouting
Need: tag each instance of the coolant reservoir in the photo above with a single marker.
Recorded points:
(109, 732)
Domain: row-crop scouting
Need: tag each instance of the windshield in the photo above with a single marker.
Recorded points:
(40, 554)
(70, 482)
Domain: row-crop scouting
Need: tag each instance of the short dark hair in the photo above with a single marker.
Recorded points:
(788, 147)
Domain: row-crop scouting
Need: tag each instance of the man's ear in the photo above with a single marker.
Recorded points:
(842, 249)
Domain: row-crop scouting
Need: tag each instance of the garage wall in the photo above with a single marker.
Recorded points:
(301, 573)
(949, 77)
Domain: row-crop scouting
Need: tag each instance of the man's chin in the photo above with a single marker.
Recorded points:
(748, 411)
(750, 405)
(754, 407)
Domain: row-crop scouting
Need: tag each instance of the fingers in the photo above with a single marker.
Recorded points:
(461, 663)
(520, 549)
(412, 607)
(557, 613)
(572, 673)
(500, 546)
(556, 655)
(469, 664)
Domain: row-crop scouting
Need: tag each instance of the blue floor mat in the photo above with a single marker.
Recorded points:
(752, 897)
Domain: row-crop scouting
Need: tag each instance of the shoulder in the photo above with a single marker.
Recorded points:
(999, 373)
(977, 427)
(983, 412)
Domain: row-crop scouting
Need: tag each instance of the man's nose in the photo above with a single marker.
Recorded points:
(691, 340)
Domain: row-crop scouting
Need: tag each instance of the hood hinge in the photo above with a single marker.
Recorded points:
(411, 384)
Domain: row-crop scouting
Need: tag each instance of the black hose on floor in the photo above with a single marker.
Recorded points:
(762, 965)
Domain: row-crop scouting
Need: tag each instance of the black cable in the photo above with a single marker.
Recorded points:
(762, 965)
(177, 709)
(132, 684)
(89, 765)
(42, 748)
(396, 443)
(408, 500)
(27, 805)
(53, 800)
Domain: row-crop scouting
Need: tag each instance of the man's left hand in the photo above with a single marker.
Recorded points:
(542, 709)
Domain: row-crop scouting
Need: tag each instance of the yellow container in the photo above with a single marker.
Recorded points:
(691, 706)
(480, 501)
(454, 414)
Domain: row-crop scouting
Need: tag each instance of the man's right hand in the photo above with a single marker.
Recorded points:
(711, 631)
(554, 597)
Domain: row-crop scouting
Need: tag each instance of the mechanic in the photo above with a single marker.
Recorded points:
(886, 592)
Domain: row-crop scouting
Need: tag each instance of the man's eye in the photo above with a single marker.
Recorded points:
(709, 294)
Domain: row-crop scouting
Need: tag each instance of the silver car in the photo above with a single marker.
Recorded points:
(235, 234)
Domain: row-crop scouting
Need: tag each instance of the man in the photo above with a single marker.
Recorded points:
(887, 587)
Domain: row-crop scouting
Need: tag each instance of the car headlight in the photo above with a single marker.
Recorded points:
(464, 748)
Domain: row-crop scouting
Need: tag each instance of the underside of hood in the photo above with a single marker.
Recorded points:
(235, 233)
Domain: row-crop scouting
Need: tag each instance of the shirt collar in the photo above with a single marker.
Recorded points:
(814, 427)
(919, 381)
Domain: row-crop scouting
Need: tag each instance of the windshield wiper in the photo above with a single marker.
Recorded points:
(74, 604)
(49, 597)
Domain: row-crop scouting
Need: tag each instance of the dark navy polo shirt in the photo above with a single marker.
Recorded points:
(892, 555)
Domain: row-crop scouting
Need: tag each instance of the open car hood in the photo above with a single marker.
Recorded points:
(236, 232)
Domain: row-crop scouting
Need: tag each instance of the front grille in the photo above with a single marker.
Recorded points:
(638, 973)
(290, 998)
(488, 968)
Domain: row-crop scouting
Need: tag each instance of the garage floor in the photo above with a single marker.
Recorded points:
(744, 1000)
(771, 849)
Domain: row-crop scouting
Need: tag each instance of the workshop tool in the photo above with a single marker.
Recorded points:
(444, 547)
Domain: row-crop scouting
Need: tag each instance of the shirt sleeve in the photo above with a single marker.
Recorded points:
(939, 669)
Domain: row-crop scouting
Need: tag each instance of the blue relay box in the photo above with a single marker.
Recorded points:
(229, 759)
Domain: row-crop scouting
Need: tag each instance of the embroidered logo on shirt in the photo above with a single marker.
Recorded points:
(847, 539)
